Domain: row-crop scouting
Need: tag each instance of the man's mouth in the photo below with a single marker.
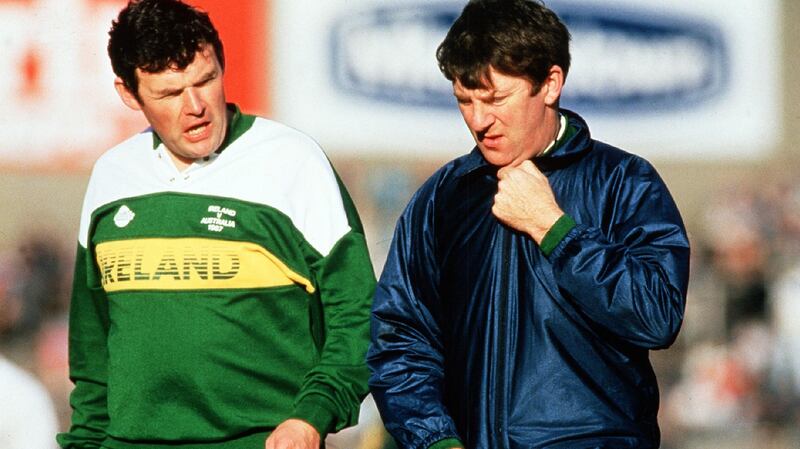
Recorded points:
(490, 139)
(198, 131)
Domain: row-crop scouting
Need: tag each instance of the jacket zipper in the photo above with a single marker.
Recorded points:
(502, 341)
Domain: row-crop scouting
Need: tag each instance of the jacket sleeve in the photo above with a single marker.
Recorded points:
(332, 391)
(405, 356)
(630, 276)
(88, 358)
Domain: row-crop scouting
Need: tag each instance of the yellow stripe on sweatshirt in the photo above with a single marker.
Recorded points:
(189, 264)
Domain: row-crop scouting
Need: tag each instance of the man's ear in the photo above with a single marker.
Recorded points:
(126, 95)
(552, 85)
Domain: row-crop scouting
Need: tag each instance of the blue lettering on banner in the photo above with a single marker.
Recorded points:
(624, 59)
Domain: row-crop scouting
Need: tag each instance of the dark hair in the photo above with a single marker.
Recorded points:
(515, 37)
(152, 35)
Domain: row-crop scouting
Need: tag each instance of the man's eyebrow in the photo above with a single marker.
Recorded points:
(488, 94)
(208, 76)
(168, 91)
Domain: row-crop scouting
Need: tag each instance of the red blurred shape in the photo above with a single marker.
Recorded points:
(243, 28)
(31, 74)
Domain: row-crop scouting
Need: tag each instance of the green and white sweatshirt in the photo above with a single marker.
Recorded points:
(212, 304)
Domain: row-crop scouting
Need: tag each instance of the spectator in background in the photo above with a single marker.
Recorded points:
(745, 378)
(739, 250)
(27, 417)
(784, 393)
(785, 374)
(10, 304)
(33, 313)
(43, 273)
(31, 281)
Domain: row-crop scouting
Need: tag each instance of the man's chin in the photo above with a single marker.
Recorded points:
(205, 148)
(192, 154)
(496, 157)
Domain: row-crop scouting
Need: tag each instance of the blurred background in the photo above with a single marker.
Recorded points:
(704, 89)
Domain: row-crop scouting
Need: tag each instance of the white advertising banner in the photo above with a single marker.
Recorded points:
(58, 106)
(56, 84)
(684, 79)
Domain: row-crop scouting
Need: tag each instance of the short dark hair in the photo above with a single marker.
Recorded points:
(152, 35)
(515, 37)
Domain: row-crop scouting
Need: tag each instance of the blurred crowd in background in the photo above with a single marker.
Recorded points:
(732, 379)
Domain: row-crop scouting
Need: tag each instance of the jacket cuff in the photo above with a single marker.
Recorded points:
(556, 234)
(312, 410)
(447, 443)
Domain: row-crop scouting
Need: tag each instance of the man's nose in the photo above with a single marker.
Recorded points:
(193, 103)
(482, 117)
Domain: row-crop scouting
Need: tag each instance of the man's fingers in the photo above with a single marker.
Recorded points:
(508, 173)
(528, 167)
(503, 172)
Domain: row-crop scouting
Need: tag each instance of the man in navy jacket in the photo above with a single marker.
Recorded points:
(527, 280)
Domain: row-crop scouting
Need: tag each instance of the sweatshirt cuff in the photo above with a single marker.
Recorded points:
(447, 443)
(556, 234)
(312, 410)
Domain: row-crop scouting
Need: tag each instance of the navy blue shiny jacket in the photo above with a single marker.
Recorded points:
(479, 335)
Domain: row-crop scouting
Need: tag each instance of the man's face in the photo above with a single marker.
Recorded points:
(186, 108)
(508, 123)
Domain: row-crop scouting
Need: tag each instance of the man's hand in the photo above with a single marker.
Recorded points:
(525, 201)
(293, 434)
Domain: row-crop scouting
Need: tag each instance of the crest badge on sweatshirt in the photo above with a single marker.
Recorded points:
(123, 216)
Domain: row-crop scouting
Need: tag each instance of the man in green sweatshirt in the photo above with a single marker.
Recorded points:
(222, 286)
